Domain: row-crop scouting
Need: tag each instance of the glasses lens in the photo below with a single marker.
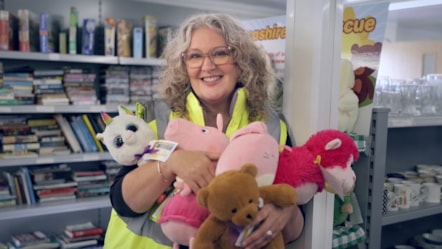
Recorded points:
(217, 56)
(220, 56)
(193, 59)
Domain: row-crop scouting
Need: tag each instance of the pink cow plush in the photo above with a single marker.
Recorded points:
(251, 144)
(182, 216)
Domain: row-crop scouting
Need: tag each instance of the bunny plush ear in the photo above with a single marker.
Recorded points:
(123, 110)
(106, 118)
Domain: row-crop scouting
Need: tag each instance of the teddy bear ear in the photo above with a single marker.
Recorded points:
(202, 196)
(250, 169)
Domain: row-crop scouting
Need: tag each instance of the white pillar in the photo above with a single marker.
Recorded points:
(311, 89)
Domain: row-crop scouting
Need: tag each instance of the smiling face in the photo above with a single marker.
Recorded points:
(213, 84)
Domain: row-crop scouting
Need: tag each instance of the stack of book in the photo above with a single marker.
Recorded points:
(111, 168)
(32, 240)
(50, 138)
(91, 183)
(20, 88)
(48, 87)
(80, 88)
(140, 84)
(54, 183)
(116, 85)
(17, 138)
(81, 235)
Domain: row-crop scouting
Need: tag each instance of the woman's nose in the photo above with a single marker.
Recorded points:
(207, 64)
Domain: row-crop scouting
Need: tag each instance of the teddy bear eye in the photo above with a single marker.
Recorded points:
(204, 130)
(234, 211)
(118, 141)
(131, 127)
(250, 201)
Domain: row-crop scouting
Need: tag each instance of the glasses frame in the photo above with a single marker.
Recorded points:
(208, 55)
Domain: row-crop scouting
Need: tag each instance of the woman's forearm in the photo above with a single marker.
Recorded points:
(294, 226)
(142, 186)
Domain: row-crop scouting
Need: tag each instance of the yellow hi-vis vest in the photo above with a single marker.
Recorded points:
(141, 232)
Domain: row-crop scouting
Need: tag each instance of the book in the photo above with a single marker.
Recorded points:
(88, 34)
(32, 138)
(83, 232)
(83, 129)
(73, 26)
(137, 45)
(62, 43)
(68, 133)
(66, 243)
(30, 190)
(8, 31)
(27, 239)
(54, 186)
(85, 147)
(91, 130)
(109, 36)
(47, 43)
(124, 38)
(150, 36)
(20, 147)
(28, 30)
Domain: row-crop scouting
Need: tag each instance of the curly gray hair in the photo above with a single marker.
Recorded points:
(256, 72)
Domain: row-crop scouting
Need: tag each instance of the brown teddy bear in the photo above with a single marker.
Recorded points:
(234, 199)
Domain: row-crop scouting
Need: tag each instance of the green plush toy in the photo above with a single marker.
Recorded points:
(342, 209)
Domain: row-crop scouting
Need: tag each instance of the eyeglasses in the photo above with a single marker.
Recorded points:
(218, 56)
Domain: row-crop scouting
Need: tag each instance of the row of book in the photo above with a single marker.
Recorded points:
(27, 136)
(27, 31)
(27, 186)
(116, 85)
(83, 235)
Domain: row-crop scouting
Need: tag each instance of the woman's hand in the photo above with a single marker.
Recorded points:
(274, 219)
(195, 168)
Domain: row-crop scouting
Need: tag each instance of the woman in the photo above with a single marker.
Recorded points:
(213, 66)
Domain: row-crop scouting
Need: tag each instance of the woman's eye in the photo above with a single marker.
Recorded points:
(195, 56)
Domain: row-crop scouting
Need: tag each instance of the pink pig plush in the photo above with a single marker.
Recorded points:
(182, 216)
(251, 144)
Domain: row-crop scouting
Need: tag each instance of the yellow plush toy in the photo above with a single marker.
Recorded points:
(234, 199)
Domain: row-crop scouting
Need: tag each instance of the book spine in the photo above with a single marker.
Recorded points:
(87, 134)
(80, 137)
(82, 233)
(150, 26)
(91, 130)
(19, 189)
(109, 37)
(124, 37)
(23, 33)
(68, 133)
(137, 42)
(29, 185)
(62, 41)
(44, 33)
(88, 36)
(4, 30)
(21, 147)
(73, 24)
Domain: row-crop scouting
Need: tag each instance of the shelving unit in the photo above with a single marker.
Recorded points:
(396, 144)
(95, 209)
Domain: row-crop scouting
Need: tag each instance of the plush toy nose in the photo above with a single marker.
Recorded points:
(128, 137)
(246, 215)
